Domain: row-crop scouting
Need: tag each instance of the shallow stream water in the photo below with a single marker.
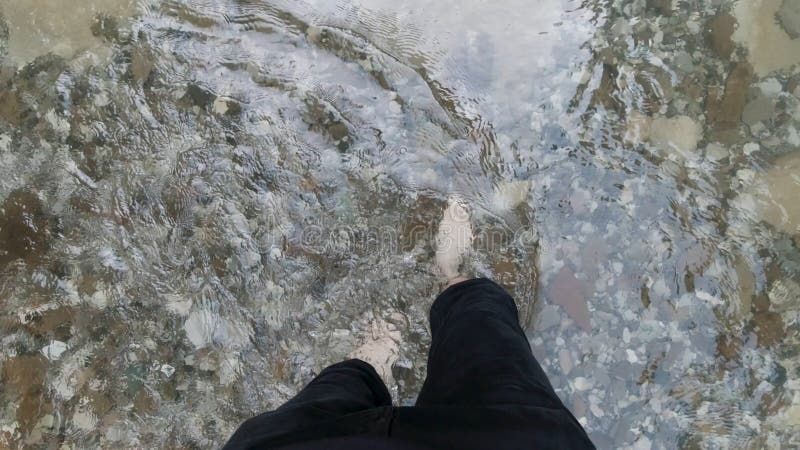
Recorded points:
(205, 202)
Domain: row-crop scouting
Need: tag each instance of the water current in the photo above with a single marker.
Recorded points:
(205, 202)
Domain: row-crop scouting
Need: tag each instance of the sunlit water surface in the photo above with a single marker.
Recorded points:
(206, 202)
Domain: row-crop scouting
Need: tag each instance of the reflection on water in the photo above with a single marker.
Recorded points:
(205, 202)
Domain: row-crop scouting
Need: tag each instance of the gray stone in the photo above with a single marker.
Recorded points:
(565, 361)
(716, 152)
(683, 61)
(548, 318)
(759, 109)
(601, 377)
(789, 17)
(340, 343)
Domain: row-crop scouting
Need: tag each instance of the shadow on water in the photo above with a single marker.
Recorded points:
(201, 191)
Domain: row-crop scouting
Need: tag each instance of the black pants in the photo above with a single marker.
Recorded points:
(484, 389)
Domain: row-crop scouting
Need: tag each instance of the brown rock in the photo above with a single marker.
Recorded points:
(505, 271)
(24, 376)
(726, 113)
(105, 27)
(337, 130)
(644, 294)
(769, 328)
(24, 228)
(691, 87)
(760, 303)
(24, 372)
(728, 347)
(747, 285)
(33, 405)
(144, 402)
(141, 64)
(54, 322)
(101, 403)
(10, 107)
(571, 293)
(421, 222)
(649, 372)
(773, 402)
(607, 93)
(719, 31)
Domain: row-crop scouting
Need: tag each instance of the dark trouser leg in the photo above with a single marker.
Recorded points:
(479, 355)
(344, 399)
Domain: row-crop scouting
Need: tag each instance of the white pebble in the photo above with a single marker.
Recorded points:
(642, 444)
(750, 148)
(167, 370)
(582, 384)
(54, 350)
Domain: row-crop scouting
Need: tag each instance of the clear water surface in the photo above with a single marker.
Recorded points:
(204, 202)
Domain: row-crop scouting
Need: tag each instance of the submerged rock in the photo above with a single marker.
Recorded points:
(54, 350)
(769, 328)
(638, 128)
(198, 95)
(725, 113)
(508, 195)
(719, 34)
(675, 134)
(679, 133)
(571, 293)
(759, 109)
(226, 106)
(663, 7)
(769, 45)
(23, 377)
(782, 209)
(106, 27)
(789, 18)
(31, 91)
(142, 64)
(717, 152)
(420, 221)
(24, 228)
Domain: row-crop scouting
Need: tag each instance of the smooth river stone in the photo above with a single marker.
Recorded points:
(571, 293)
(679, 133)
(782, 208)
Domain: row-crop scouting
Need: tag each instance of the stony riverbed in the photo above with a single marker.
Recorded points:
(205, 202)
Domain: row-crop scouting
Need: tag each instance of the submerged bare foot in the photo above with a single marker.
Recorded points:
(380, 347)
(453, 240)
(456, 280)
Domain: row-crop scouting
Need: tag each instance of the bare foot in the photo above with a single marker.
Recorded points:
(380, 346)
(456, 280)
(454, 239)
